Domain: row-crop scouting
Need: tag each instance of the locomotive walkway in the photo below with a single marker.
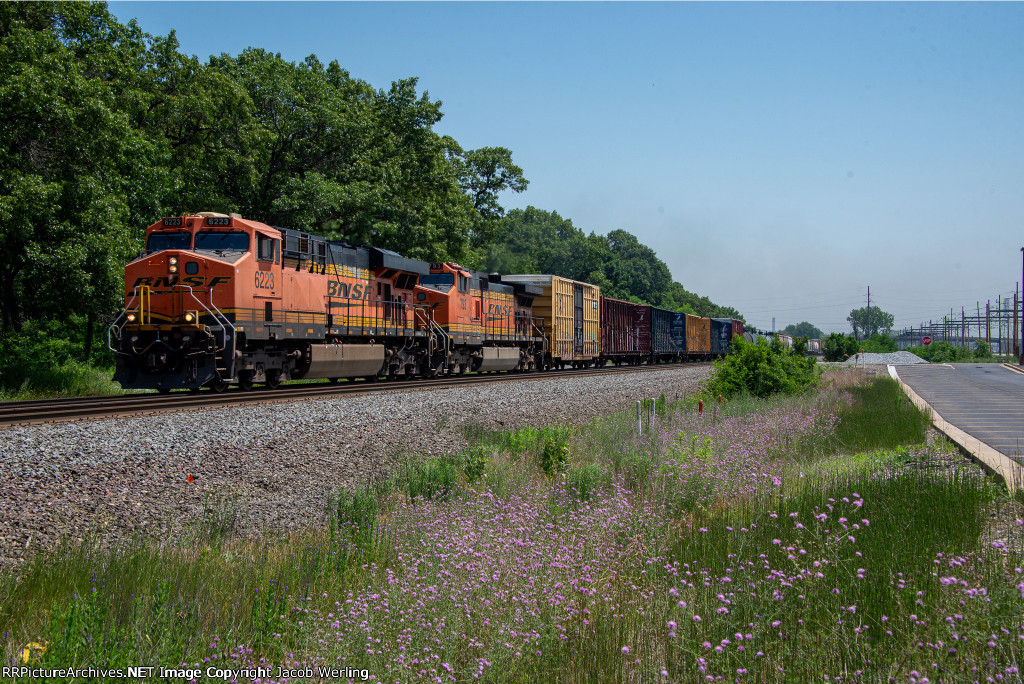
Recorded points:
(979, 405)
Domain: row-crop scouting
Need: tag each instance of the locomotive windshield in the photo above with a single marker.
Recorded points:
(439, 281)
(223, 242)
(160, 241)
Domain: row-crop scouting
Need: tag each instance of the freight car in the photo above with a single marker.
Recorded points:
(571, 315)
(625, 332)
(668, 336)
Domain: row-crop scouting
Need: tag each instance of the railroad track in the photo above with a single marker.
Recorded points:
(35, 412)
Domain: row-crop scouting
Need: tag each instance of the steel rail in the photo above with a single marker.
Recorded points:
(34, 412)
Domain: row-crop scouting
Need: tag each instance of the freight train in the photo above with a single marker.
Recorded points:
(217, 300)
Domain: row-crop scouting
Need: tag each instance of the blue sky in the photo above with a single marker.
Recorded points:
(780, 158)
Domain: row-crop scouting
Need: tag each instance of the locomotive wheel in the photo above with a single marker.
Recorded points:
(163, 390)
(333, 381)
(273, 379)
(217, 385)
(245, 380)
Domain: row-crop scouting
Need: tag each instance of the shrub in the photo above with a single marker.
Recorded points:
(879, 344)
(943, 352)
(839, 347)
(760, 369)
(556, 451)
(47, 358)
(473, 463)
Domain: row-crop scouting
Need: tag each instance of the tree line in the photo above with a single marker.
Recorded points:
(106, 128)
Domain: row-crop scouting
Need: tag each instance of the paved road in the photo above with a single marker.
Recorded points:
(984, 400)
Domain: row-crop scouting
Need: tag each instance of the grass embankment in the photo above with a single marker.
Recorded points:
(69, 380)
(765, 540)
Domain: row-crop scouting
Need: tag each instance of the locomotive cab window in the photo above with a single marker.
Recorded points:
(438, 281)
(233, 241)
(158, 242)
(267, 248)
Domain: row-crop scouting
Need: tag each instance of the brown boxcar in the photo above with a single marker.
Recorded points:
(668, 334)
(737, 327)
(571, 313)
(698, 336)
(625, 331)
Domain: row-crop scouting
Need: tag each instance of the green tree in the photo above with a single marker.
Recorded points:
(483, 174)
(78, 170)
(678, 298)
(870, 321)
(532, 240)
(310, 147)
(634, 268)
(803, 329)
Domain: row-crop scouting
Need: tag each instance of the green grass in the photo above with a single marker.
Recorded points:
(881, 417)
(69, 380)
(147, 603)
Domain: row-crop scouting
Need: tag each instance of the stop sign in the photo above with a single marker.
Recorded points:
(926, 340)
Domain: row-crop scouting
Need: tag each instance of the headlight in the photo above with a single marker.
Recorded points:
(131, 317)
(173, 268)
(173, 261)
(190, 317)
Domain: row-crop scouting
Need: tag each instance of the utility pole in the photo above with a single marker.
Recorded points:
(988, 322)
(867, 327)
(1020, 360)
(963, 328)
(1016, 296)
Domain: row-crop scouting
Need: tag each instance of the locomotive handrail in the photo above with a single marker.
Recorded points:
(221, 319)
(436, 331)
(124, 312)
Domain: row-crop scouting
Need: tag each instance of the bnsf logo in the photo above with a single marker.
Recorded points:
(499, 309)
(336, 289)
(191, 281)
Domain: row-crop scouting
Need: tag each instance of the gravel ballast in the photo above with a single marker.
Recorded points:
(273, 467)
(895, 358)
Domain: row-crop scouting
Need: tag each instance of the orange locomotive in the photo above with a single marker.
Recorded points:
(218, 300)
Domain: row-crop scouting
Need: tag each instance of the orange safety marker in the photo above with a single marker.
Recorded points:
(700, 407)
(189, 478)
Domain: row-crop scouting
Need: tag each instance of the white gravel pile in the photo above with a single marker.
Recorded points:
(897, 357)
(278, 464)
